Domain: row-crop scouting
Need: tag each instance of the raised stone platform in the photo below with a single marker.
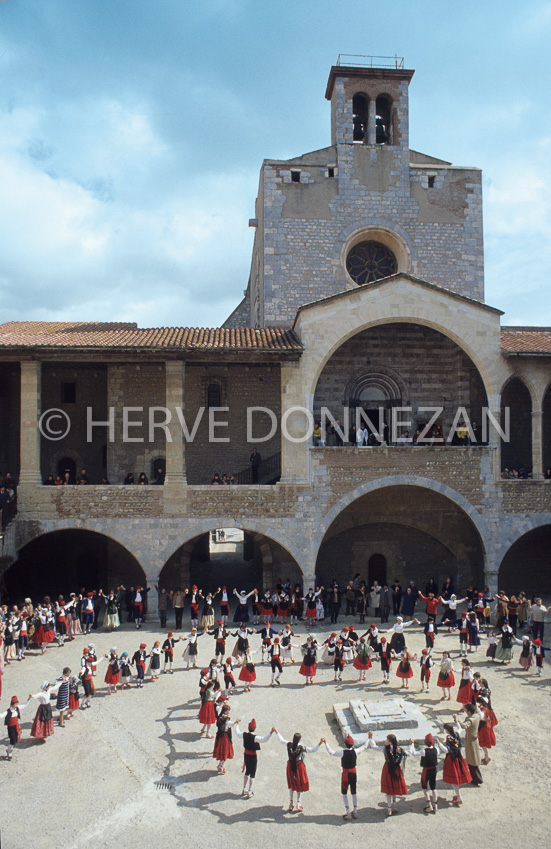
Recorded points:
(391, 716)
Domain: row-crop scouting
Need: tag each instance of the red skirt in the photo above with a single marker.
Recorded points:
(207, 715)
(283, 612)
(393, 784)
(486, 736)
(300, 783)
(465, 693)
(358, 664)
(446, 682)
(404, 673)
(267, 611)
(310, 613)
(112, 677)
(42, 636)
(223, 749)
(456, 771)
(308, 671)
(74, 701)
(246, 675)
(42, 729)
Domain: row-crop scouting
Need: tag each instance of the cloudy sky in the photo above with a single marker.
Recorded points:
(132, 132)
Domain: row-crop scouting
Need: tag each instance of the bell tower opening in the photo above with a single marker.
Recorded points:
(360, 111)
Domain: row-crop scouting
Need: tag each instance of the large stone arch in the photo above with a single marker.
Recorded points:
(405, 480)
(526, 562)
(373, 520)
(265, 549)
(67, 559)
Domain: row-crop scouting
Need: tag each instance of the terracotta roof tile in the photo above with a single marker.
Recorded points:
(526, 340)
(79, 334)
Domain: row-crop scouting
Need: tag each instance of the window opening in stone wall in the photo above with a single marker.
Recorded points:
(214, 396)
(104, 456)
(369, 261)
(68, 393)
(330, 172)
(431, 182)
(158, 471)
(67, 466)
(359, 117)
(382, 120)
(295, 176)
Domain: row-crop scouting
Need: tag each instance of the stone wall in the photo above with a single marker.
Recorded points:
(90, 387)
(135, 385)
(241, 386)
(432, 371)
(10, 402)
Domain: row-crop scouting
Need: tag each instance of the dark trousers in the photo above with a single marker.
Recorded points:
(537, 630)
(350, 607)
(475, 775)
(179, 611)
(162, 614)
(396, 605)
(334, 613)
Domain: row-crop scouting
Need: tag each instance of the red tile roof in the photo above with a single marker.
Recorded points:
(526, 340)
(95, 334)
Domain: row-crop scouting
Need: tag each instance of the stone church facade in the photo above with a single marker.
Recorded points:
(365, 294)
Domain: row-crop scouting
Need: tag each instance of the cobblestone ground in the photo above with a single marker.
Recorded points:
(93, 783)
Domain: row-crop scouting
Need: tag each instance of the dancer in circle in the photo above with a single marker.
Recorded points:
(251, 746)
(297, 776)
(349, 757)
(429, 762)
(405, 671)
(465, 693)
(43, 724)
(456, 771)
(392, 778)
(362, 661)
(309, 661)
(223, 746)
(446, 679)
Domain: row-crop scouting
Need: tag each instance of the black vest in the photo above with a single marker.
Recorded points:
(349, 759)
(249, 742)
(430, 758)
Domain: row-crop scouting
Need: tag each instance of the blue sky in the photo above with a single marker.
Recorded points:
(132, 133)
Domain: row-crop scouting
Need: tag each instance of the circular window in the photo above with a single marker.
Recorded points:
(369, 261)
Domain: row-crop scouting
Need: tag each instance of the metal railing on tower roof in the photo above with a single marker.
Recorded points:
(359, 61)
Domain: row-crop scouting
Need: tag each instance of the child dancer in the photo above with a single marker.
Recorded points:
(297, 777)
(392, 778)
(456, 771)
(362, 661)
(139, 658)
(126, 672)
(223, 746)
(446, 679)
(308, 666)
(155, 660)
(168, 649)
(429, 762)
(425, 662)
(404, 671)
(251, 746)
(349, 757)
(112, 675)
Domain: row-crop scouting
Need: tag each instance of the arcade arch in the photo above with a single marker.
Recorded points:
(418, 533)
(527, 564)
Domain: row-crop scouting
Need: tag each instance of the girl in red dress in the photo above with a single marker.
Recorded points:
(43, 725)
(446, 678)
(308, 666)
(297, 777)
(466, 693)
(456, 771)
(362, 661)
(112, 675)
(207, 714)
(248, 672)
(405, 671)
(223, 746)
(392, 778)
(486, 735)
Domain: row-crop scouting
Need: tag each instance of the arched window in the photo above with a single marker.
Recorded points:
(516, 452)
(214, 395)
(383, 128)
(360, 108)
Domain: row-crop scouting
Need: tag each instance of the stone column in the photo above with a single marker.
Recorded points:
(372, 123)
(175, 450)
(537, 472)
(307, 582)
(31, 385)
(294, 455)
(493, 437)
